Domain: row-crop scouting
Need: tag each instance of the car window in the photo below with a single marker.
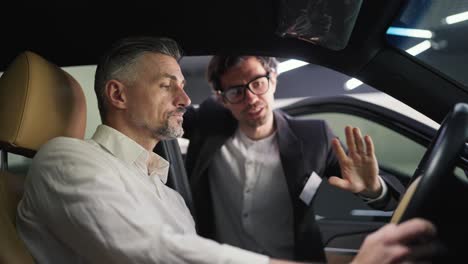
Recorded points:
(395, 152)
(298, 80)
(434, 32)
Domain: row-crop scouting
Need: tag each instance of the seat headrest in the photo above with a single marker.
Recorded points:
(38, 101)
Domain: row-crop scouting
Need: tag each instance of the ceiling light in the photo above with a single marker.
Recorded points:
(290, 65)
(410, 32)
(423, 46)
(352, 84)
(456, 18)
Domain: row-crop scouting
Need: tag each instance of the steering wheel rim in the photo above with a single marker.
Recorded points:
(438, 162)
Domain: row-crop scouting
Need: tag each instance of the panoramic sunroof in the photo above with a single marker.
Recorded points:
(435, 33)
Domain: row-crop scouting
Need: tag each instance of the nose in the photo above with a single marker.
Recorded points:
(250, 97)
(182, 99)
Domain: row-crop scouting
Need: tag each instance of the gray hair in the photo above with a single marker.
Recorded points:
(221, 64)
(119, 62)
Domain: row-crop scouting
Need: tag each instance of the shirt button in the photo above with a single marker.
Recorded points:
(245, 215)
(247, 190)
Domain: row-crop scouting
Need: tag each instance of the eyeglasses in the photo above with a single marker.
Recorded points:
(257, 86)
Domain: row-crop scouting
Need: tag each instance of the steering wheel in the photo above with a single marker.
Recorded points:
(437, 164)
(436, 193)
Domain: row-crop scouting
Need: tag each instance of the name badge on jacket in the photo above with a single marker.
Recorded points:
(310, 188)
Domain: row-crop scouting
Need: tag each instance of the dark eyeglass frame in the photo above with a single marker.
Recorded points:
(244, 88)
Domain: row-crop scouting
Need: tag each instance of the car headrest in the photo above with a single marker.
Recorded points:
(38, 101)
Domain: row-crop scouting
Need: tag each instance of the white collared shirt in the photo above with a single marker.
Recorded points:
(251, 202)
(105, 200)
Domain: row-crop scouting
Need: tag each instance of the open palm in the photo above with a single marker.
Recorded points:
(359, 168)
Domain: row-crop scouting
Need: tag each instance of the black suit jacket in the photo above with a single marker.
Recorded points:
(304, 146)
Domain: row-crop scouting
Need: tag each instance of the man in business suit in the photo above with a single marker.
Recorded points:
(254, 171)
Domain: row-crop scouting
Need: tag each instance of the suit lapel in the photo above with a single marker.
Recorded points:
(291, 155)
(212, 144)
(308, 245)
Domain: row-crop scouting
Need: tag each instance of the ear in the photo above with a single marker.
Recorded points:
(116, 94)
(220, 99)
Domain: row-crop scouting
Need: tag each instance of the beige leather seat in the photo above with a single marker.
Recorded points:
(38, 101)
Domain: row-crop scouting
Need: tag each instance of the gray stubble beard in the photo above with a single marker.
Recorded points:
(169, 132)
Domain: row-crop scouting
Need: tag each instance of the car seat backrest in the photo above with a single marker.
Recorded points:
(38, 101)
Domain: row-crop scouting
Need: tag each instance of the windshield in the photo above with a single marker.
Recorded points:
(435, 32)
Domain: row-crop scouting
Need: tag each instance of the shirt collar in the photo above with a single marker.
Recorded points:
(248, 142)
(131, 152)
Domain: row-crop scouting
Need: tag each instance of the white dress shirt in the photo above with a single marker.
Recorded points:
(104, 200)
(251, 202)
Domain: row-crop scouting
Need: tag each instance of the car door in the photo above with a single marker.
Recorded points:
(400, 142)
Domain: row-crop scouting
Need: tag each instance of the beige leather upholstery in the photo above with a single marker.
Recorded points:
(38, 101)
(12, 249)
(405, 201)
